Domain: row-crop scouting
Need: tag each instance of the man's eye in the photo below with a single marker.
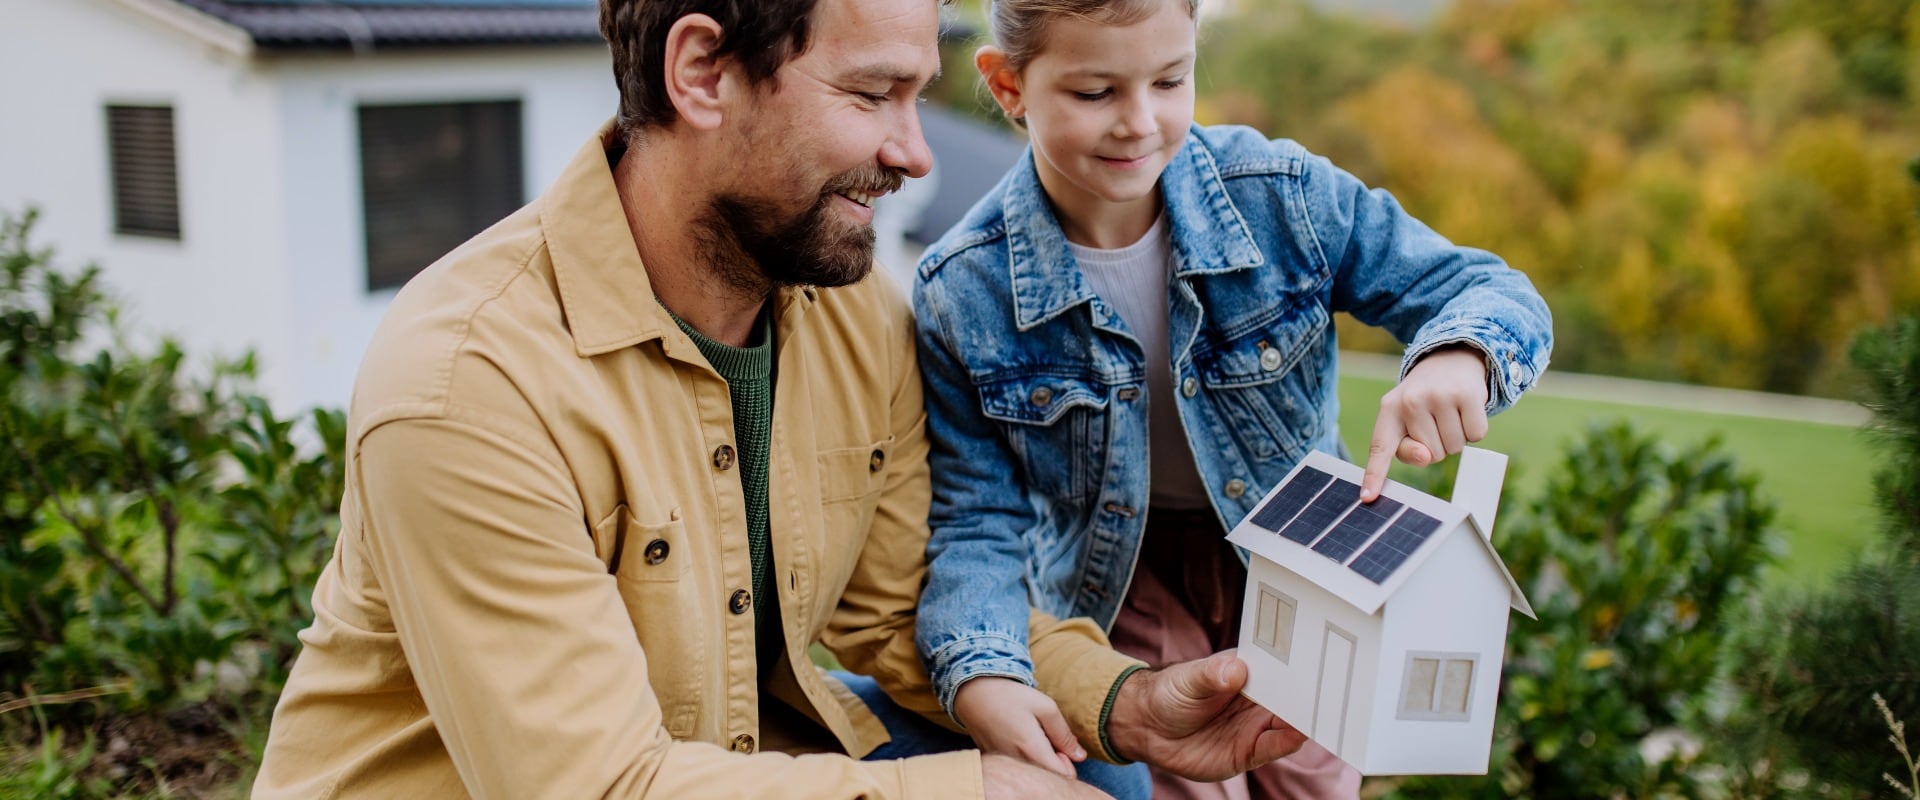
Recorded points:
(875, 99)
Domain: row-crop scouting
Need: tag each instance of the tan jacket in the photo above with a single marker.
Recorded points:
(539, 587)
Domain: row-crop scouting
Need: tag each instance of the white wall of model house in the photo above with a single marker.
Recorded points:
(1397, 675)
(271, 254)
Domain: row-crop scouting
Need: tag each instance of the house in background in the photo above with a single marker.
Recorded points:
(263, 173)
(1380, 629)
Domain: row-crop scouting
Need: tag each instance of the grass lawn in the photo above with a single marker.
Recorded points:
(1819, 476)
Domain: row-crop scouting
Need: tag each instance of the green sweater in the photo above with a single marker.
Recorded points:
(749, 375)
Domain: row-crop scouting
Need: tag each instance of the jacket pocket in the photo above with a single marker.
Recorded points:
(648, 560)
(639, 551)
(1057, 428)
(1266, 382)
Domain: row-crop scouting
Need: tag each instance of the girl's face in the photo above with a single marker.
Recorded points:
(1107, 106)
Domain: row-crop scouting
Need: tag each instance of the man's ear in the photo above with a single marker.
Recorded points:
(696, 77)
(1001, 80)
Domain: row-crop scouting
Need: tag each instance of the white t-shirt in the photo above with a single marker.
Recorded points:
(1134, 280)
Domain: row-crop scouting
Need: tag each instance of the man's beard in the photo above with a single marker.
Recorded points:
(751, 247)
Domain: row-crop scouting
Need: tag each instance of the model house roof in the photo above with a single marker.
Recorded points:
(1314, 525)
(281, 25)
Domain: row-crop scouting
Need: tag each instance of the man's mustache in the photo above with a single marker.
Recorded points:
(873, 180)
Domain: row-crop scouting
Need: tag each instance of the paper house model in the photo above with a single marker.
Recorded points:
(1379, 630)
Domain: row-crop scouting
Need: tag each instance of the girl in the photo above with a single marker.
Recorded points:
(1129, 341)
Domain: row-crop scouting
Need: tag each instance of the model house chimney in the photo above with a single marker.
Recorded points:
(1476, 486)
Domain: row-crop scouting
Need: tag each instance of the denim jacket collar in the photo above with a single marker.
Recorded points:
(1209, 235)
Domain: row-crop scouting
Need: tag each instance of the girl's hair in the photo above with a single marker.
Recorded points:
(1020, 26)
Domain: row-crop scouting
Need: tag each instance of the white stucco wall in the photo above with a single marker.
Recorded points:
(272, 253)
(222, 286)
(565, 94)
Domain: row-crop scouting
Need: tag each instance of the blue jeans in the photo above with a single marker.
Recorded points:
(913, 735)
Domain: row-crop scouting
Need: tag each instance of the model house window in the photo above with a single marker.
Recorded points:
(1273, 625)
(1439, 686)
(146, 179)
(432, 176)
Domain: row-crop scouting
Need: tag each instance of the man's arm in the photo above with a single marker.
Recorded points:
(522, 647)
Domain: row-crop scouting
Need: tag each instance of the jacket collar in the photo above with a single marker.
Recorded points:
(604, 291)
(1209, 235)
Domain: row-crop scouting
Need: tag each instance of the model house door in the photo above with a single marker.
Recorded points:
(1336, 682)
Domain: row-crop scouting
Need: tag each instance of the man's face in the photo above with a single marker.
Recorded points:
(837, 128)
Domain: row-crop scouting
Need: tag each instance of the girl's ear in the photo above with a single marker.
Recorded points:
(1001, 80)
(696, 79)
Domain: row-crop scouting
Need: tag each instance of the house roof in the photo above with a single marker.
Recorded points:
(283, 25)
(1343, 580)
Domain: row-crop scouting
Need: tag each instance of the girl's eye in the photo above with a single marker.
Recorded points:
(1174, 83)
(1090, 96)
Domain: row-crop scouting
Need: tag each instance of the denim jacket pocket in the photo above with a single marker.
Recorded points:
(1265, 382)
(1056, 426)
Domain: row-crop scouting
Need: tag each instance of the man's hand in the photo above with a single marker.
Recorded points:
(1436, 411)
(1191, 720)
(1011, 718)
(1009, 778)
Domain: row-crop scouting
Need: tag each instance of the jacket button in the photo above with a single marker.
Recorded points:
(1130, 393)
(657, 551)
(723, 457)
(740, 602)
(743, 743)
(1270, 359)
(1190, 387)
(1041, 396)
(877, 461)
(1237, 487)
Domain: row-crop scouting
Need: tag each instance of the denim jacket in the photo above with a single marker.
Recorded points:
(1036, 390)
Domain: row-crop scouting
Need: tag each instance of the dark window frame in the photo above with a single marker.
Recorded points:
(143, 169)
(433, 174)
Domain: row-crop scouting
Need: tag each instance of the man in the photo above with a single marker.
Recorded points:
(616, 462)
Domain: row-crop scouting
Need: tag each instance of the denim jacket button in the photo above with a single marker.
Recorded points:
(1190, 387)
(1041, 396)
(1130, 393)
(1237, 487)
(1270, 358)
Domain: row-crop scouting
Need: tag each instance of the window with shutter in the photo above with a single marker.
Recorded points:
(146, 181)
(432, 176)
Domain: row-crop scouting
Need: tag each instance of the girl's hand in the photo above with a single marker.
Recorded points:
(1436, 411)
(1011, 718)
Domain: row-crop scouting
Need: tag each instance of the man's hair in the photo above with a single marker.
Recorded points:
(761, 34)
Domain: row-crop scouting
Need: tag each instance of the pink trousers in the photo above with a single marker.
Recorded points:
(1185, 604)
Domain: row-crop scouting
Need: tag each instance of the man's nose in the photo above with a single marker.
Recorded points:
(906, 147)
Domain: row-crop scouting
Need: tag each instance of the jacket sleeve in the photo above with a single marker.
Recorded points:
(884, 608)
(974, 619)
(1392, 271)
(521, 646)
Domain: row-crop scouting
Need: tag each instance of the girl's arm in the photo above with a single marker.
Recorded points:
(1392, 271)
(973, 617)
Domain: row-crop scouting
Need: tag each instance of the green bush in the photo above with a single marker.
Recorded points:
(161, 527)
(1814, 663)
(1633, 557)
